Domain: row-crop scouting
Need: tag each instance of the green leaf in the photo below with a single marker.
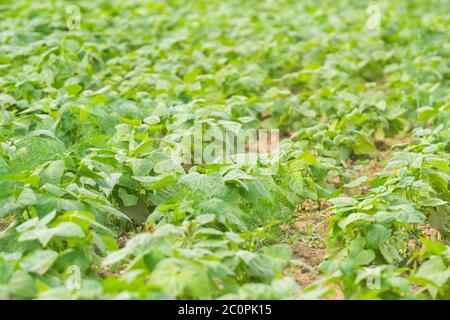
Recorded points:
(364, 257)
(364, 146)
(6, 270)
(168, 275)
(67, 230)
(156, 183)
(261, 268)
(40, 261)
(435, 271)
(432, 202)
(377, 235)
(354, 217)
(197, 282)
(22, 285)
(202, 183)
(343, 202)
(279, 256)
(358, 255)
(309, 158)
(128, 199)
(27, 197)
(357, 182)
(54, 171)
(425, 113)
(115, 257)
(73, 89)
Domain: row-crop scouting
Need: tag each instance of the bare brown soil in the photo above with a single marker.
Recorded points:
(311, 219)
(3, 224)
(311, 228)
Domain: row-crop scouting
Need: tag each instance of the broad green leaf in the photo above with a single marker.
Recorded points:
(21, 285)
(377, 235)
(40, 261)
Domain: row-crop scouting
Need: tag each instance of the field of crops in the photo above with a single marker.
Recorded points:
(257, 149)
